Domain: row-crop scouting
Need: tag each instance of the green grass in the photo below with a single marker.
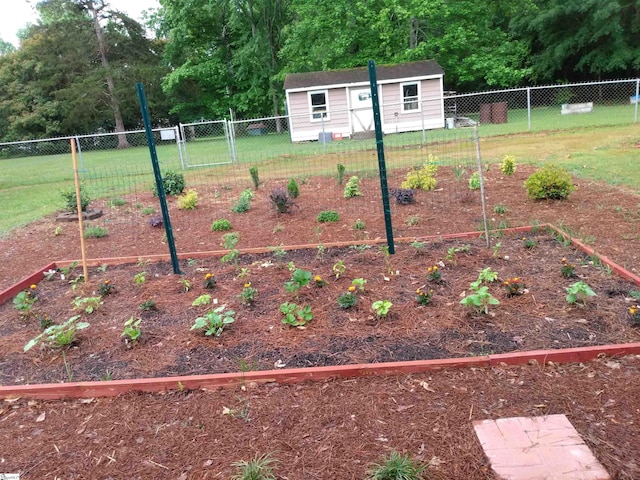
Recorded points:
(30, 187)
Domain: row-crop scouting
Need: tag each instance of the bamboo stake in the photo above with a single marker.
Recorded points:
(76, 180)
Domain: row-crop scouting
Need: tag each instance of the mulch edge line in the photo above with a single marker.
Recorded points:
(216, 381)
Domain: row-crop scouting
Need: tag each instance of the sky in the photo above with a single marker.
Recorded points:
(21, 12)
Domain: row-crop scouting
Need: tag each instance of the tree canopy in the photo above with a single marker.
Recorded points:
(75, 69)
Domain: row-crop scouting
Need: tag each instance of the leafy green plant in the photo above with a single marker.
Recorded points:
(148, 211)
(359, 225)
(339, 268)
(148, 305)
(434, 274)
(341, 170)
(496, 249)
(281, 200)
(320, 253)
(24, 301)
(418, 245)
(140, 278)
(116, 202)
(422, 178)
(474, 181)
(381, 307)
(292, 188)
(209, 280)
(214, 321)
(347, 299)
(132, 330)
(253, 171)
(172, 183)
(294, 315)
(95, 231)
(578, 293)
(499, 209)
(424, 297)
(480, 299)
(70, 200)
(328, 216)
(204, 299)
(58, 336)
(188, 201)
(229, 241)
(412, 220)
(358, 284)
(529, 243)
(185, 284)
(396, 467)
(248, 294)
(508, 165)
(514, 286)
(259, 468)
(352, 188)
(278, 252)
(299, 279)
(57, 231)
(87, 304)
(452, 251)
(486, 275)
(549, 182)
(458, 172)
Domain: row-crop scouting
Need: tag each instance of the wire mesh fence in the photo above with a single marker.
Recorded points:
(222, 159)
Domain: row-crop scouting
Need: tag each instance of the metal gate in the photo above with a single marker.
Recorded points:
(204, 144)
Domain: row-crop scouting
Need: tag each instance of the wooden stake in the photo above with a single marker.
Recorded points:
(76, 180)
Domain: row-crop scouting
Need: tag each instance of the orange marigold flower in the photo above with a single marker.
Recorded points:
(516, 279)
(208, 276)
(352, 288)
(107, 282)
(418, 291)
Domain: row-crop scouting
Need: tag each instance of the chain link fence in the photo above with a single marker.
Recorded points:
(217, 159)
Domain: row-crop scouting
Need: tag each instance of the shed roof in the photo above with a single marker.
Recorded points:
(421, 68)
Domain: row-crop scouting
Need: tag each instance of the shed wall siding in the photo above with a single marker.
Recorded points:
(301, 126)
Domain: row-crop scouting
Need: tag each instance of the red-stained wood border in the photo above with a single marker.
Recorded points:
(35, 277)
(112, 388)
(620, 271)
(565, 355)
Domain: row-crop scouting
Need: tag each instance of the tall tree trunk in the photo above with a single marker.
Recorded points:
(102, 46)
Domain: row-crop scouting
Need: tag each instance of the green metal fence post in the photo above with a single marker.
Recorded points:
(144, 108)
(382, 167)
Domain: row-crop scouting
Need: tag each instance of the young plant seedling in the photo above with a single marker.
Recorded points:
(381, 307)
(578, 293)
(132, 330)
(214, 321)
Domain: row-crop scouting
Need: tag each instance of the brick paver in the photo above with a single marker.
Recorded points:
(537, 448)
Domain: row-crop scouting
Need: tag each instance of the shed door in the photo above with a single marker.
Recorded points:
(361, 110)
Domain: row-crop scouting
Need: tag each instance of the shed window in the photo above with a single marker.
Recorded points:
(319, 105)
(410, 96)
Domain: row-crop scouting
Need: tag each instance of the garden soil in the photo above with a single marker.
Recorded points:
(332, 429)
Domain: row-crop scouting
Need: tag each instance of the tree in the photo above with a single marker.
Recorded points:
(577, 39)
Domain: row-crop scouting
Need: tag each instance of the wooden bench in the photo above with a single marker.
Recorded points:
(569, 108)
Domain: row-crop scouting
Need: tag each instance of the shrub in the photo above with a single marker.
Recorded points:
(188, 201)
(70, 202)
(352, 189)
(253, 171)
(328, 216)
(474, 181)
(551, 182)
(341, 169)
(242, 205)
(403, 196)
(395, 467)
(172, 182)
(508, 165)
(221, 225)
(156, 221)
(292, 188)
(424, 177)
(280, 199)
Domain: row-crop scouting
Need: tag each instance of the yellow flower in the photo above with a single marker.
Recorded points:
(435, 268)
(516, 279)
(107, 282)
(633, 309)
(208, 276)
(33, 286)
(247, 285)
(506, 282)
(352, 288)
(317, 278)
(419, 292)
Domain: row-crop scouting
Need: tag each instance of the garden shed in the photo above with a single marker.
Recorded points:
(337, 104)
